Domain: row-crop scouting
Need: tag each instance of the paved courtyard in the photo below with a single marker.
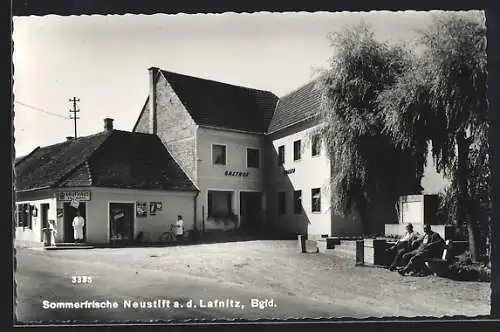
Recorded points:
(327, 281)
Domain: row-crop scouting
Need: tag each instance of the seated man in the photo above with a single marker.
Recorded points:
(431, 246)
(401, 247)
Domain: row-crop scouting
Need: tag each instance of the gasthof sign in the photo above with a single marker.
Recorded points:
(68, 196)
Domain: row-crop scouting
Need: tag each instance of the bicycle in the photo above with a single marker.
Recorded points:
(168, 236)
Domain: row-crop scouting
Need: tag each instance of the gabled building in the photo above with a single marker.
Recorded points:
(253, 156)
(216, 132)
(122, 183)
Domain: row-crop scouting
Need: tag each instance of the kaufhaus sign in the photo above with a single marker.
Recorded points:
(68, 196)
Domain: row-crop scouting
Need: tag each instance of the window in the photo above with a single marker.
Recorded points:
(253, 158)
(316, 200)
(24, 218)
(281, 203)
(297, 201)
(316, 145)
(220, 204)
(296, 150)
(281, 155)
(218, 154)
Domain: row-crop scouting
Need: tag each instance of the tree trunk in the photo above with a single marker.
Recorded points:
(463, 210)
(472, 233)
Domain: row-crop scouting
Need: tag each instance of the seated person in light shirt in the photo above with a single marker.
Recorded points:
(402, 246)
(431, 245)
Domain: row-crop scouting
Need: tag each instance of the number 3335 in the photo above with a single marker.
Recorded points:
(81, 279)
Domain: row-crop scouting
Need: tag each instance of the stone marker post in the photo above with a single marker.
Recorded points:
(301, 244)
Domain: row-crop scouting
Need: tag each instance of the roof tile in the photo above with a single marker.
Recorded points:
(297, 106)
(217, 104)
(116, 159)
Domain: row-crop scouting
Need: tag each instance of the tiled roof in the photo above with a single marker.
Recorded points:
(222, 105)
(115, 159)
(48, 165)
(297, 106)
(136, 160)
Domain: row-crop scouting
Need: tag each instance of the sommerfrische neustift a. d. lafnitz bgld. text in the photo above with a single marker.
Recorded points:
(157, 304)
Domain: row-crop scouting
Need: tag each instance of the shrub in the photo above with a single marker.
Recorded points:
(464, 269)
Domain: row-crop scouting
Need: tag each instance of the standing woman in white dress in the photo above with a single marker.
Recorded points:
(78, 223)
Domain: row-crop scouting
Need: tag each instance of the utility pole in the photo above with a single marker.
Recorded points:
(74, 100)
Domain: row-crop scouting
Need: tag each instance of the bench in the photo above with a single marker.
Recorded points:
(439, 266)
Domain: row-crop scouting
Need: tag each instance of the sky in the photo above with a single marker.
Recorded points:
(103, 60)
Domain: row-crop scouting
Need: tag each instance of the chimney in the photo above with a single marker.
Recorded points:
(69, 138)
(108, 124)
(152, 100)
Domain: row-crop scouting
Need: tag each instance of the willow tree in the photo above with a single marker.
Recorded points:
(366, 163)
(441, 100)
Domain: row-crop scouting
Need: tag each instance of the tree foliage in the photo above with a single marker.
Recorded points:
(366, 162)
(442, 99)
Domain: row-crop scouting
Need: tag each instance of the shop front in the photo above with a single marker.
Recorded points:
(71, 202)
(121, 222)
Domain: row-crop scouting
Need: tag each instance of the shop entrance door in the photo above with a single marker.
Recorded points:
(69, 215)
(44, 217)
(121, 222)
(250, 211)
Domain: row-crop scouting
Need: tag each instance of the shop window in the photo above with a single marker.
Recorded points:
(219, 154)
(253, 158)
(220, 204)
(297, 150)
(282, 203)
(316, 200)
(316, 145)
(297, 201)
(281, 155)
(24, 216)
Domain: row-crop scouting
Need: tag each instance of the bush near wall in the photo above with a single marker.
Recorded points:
(463, 269)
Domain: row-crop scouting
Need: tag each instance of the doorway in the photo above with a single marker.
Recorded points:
(250, 210)
(121, 222)
(44, 218)
(69, 215)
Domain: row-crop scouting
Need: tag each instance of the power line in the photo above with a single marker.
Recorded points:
(41, 110)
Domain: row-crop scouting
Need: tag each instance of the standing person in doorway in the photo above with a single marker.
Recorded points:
(52, 233)
(179, 228)
(78, 223)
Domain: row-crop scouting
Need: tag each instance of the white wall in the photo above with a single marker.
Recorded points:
(309, 172)
(34, 234)
(174, 203)
(212, 177)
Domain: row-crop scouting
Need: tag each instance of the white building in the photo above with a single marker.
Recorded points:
(123, 184)
(251, 154)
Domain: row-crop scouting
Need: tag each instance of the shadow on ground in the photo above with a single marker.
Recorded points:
(209, 237)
